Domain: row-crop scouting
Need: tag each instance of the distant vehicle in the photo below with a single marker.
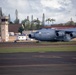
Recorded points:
(53, 34)
(20, 38)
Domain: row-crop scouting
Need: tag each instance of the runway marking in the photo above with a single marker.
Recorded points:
(74, 58)
(36, 65)
(47, 56)
(34, 56)
(40, 56)
(12, 58)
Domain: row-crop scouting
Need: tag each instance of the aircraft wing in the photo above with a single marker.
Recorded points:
(71, 32)
(67, 30)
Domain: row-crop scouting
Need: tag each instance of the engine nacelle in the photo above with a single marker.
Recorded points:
(60, 33)
(73, 34)
(31, 35)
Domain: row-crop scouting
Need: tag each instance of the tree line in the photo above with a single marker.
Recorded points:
(34, 24)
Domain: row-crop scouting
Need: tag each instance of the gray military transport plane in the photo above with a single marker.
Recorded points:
(53, 34)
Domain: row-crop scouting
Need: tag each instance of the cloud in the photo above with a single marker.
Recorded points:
(50, 3)
(56, 4)
(17, 3)
(61, 10)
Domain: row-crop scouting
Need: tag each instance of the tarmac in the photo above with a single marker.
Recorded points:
(46, 63)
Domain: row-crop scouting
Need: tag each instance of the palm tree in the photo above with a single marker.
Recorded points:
(25, 24)
(49, 20)
(52, 20)
(37, 22)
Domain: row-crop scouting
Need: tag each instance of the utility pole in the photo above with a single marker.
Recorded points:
(32, 18)
(9, 18)
(16, 12)
(31, 22)
(0, 14)
(43, 20)
(28, 18)
(16, 20)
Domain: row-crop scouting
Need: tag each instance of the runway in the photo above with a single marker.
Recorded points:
(48, 63)
(34, 44)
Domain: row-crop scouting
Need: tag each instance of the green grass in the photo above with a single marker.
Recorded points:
(36, 49)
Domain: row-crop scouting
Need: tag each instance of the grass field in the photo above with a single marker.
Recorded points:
(38, 49)
(51, 47)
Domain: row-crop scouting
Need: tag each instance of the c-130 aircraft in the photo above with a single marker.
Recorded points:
(52, 34)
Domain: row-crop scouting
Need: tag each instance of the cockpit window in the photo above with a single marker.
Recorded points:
(37, 32)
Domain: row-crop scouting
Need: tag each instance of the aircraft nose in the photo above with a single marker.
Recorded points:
(31, 35)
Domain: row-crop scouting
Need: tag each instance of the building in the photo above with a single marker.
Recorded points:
(14, 28)
(4, 29)
(61, 26)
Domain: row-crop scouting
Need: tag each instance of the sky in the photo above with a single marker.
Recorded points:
(60, 10)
